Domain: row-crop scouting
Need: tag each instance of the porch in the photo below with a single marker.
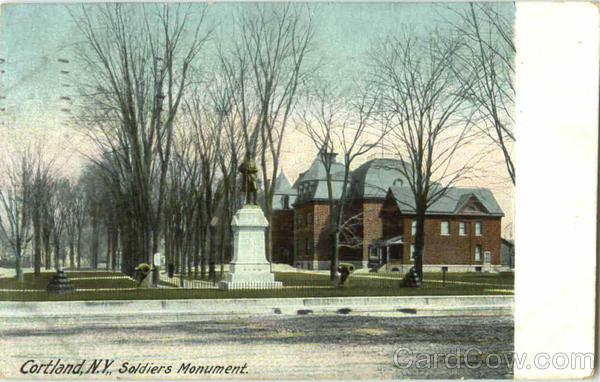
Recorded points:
(388, 253)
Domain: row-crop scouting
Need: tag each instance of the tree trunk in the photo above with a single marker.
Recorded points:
(37, 243)
(47, 251)
(204, 245)
(419, 243)
(72, 254)
(18, 263)
(335, 251)
(115, 248)
(79, 248)
(108, 250)
(95, 243)
(56, 253)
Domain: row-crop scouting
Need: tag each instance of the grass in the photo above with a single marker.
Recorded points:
(500, 279)
(81, 280)
(307, 285)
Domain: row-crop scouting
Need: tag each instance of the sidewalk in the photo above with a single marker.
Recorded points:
(396, 305)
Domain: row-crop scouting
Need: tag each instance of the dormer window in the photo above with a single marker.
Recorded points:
(398, 182)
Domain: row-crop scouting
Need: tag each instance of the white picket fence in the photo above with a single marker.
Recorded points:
(189, 284)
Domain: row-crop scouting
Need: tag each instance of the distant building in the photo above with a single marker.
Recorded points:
(508, 254)
(282, 221)
(462, 229)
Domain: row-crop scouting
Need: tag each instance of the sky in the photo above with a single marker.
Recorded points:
(34, 36)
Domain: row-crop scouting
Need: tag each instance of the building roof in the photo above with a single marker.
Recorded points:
(373, 178)
(283, 185)
(317, 171)
(453, 202)
(312, 184)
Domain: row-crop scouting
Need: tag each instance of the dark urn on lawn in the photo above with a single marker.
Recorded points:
(345, 270)
(59, 284)
(411, 279)
(143, 274)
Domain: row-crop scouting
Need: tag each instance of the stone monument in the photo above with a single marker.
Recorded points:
(249, 268)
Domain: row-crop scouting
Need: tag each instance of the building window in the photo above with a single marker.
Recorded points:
(309, 247)
(445, 228)
(478, 228)
(286, 202)
(299, 221)
(478, 252)
(298, 248)
(373, 253)
(413, 228)
(309, 217)
(412, 253)
(462, 228)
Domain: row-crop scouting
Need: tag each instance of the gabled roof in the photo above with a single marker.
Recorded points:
(452, 202)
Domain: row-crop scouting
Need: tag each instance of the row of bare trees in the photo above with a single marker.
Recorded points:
(47, 216)
(171, 125)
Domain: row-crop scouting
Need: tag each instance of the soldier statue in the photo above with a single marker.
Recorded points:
(249, 181)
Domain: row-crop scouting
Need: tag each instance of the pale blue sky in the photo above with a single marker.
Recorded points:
(34, 36)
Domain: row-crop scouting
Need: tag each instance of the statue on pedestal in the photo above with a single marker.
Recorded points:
(249, 180)
(249, 268)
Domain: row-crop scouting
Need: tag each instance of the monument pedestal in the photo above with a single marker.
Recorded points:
(249, 269)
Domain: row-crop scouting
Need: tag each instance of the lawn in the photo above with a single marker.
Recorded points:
(297, 284)
(500, 279)
(79, 280)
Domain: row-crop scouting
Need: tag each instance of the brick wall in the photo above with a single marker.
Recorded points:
(455, 249)
(312, 228)
(372, 224)
(321, 238)
(282, 236)
(386, 222)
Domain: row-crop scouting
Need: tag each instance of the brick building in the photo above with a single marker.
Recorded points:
(312, 245)
(282, 221)
(462, 229)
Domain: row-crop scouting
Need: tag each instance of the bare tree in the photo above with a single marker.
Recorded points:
(424, 105)
(270, 61)
(487, 71)
(206, 124)
(59, 218)
(41, 189)
(15, 194)
(341, 120)
(74, 204)
(138, 60)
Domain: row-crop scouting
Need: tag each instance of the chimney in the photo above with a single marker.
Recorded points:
(327, 156)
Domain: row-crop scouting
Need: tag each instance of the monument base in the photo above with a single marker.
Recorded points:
(249, 269)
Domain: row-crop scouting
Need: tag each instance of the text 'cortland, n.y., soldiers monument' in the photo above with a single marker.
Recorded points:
(249, 267)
